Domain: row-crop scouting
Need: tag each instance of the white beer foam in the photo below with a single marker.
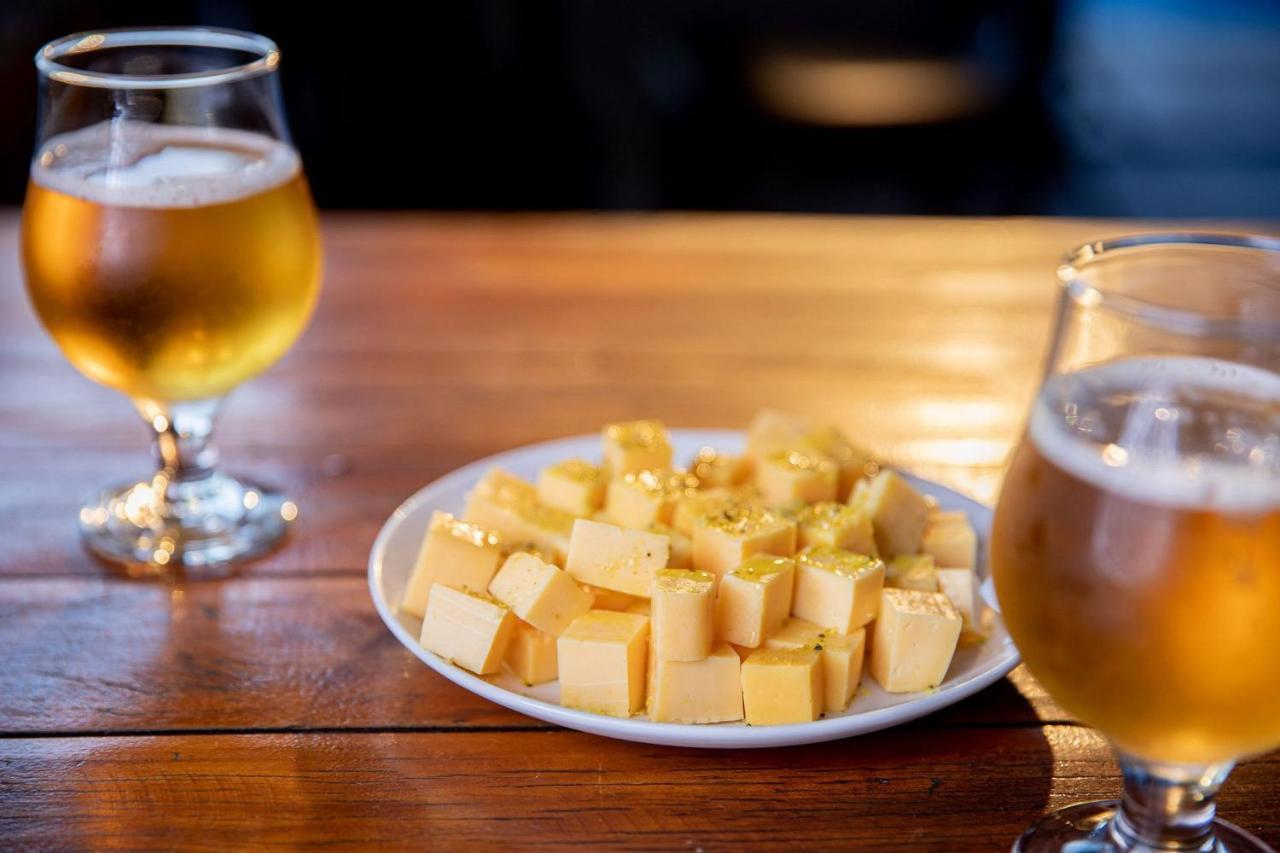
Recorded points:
(1141, 463)
(135, 164)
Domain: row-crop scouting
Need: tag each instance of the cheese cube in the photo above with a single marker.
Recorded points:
(837, 589)
(960, 586)
(636, 446)
(721, 542)
(951, 541)
(469, 628)
(539, 593)
(842, 656)
(608, 599)
(641, 605)
(782, 686)
(773, 429)
(505, 488)
(574, 486)
(679, 546)
(715, 469)
(509, 548)
(612, 557)
(602, 657)
(643, 498)
(755, 599)
(789, 476)
(853, 462)
(898, 513)
(913, 641)
(454, 553)
(532, 655)
(690, 508)
(683, 621)
(509, 506)
(702, 691)
(911, 571)
(835, 524)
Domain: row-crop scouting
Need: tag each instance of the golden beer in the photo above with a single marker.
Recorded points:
(1136, 554)
(168, 262)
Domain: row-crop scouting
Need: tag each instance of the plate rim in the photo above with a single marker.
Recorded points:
(648, 731)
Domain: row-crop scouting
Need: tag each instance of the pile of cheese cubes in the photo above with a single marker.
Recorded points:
(743, 587)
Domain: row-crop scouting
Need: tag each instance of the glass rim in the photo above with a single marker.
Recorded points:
(1072, 278)
(48, 58)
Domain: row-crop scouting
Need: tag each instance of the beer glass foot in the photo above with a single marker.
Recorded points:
(158, 527)
(1086, 828)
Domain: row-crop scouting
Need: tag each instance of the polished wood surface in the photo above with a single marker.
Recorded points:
(272, 707)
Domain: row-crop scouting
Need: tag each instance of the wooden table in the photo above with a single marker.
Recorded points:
(274, 708)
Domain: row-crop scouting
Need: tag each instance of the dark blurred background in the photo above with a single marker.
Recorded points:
(1079, 107)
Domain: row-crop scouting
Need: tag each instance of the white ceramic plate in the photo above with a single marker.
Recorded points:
(396, 548)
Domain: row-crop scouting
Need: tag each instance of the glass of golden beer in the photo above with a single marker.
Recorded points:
(171, 249)
(1136, 546)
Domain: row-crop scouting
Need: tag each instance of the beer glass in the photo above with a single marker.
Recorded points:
(171, 249)
(1136, 546)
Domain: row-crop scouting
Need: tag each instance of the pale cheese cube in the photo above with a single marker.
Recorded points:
(773, 429)
(951, 541)
(961, 587)
(471, 629)
(715, 469)
(539, 593)
(574, 486)
(790, 476)
(636, 446)
(782, 686)
(531, 656)
(911, 571)
(898, 512)
(613, 557)
(505, 488)
(703, 691)
(723, 540)
(683, 620)
(640, 499)
(609, 599)
(454, 553)
(641, 605)
(679, 546)
(853, 462)
(835, 524)
(913, 641)
(837, 589)
(521, 519)
(842, 656)
(602, 657)
(754, 599)
(690, 508)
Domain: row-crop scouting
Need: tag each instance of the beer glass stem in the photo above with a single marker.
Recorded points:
(1167, 807)
(184, 440)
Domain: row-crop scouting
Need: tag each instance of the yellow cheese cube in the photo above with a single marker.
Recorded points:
(454, 553)
(854, 463)
(911, 571)
(532, 655)
(609, 599)
(755, 599)
(788, 476)
(509, 548)
(722, 541)
(602, 657)
(683, 606)
(782, 686)
(643, 498)
(837, 589)
(690, 508)
(951, 541)
(842, 656)
(960, 586)
(835, 524)
(574, 486)
(469, 628)
(679, 546)
(898, 513)
(613, 557)
(702, 691)
(636, 446)
(641, 605)
(539, 593)
(715, 469)
(773, 429)
(505, 488)
(509, 506)
(913, 641)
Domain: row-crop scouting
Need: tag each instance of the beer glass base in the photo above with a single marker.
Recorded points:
(1084, 828)
(213, 524)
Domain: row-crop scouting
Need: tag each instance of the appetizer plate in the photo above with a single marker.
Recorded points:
(396, 548)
